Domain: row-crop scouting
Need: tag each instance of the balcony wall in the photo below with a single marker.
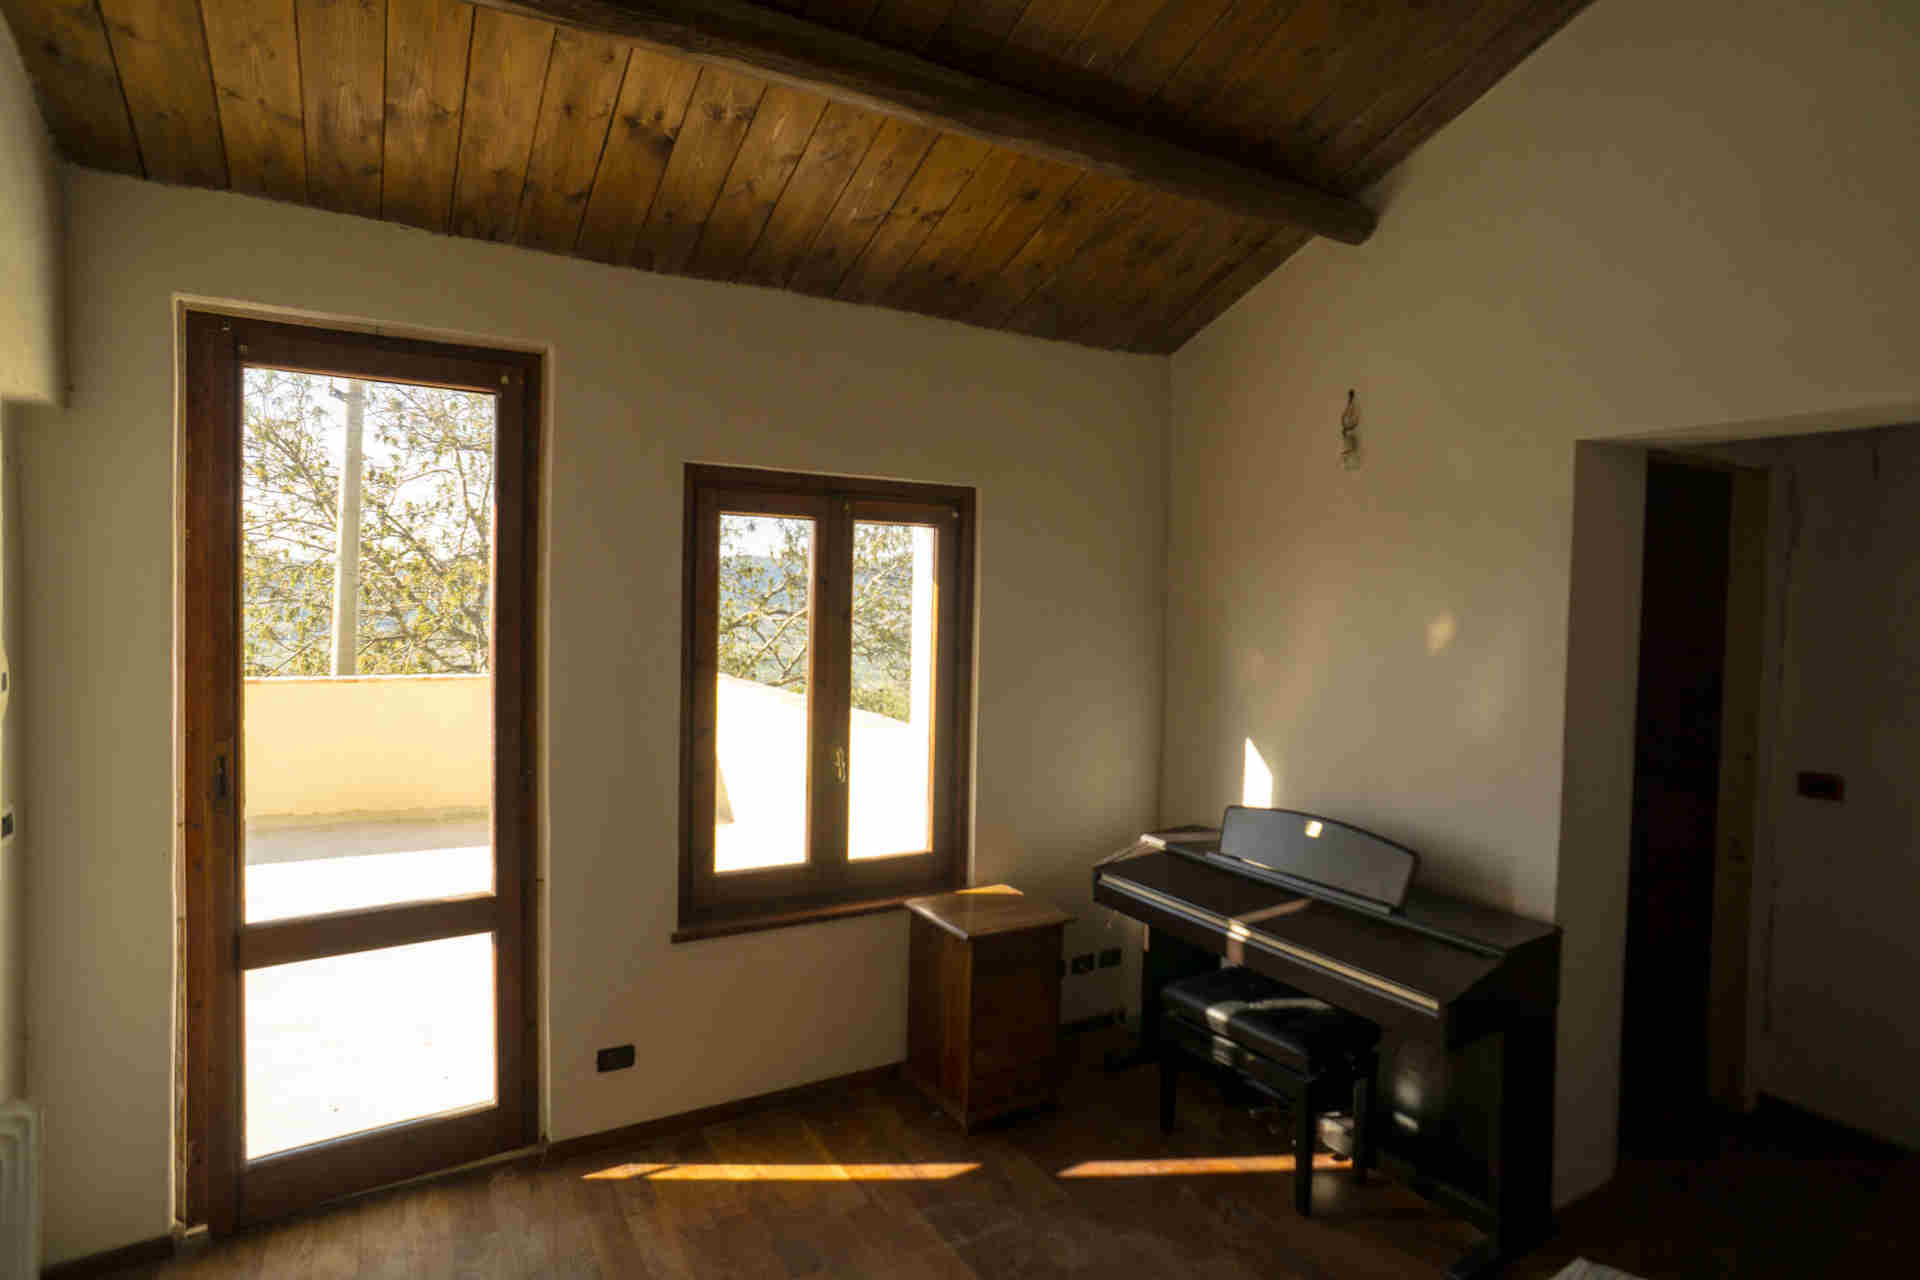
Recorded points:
(359, 744)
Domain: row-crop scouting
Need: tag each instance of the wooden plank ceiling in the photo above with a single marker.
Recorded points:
(499, 126)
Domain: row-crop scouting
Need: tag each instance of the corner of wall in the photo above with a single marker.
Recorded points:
(1596, 813)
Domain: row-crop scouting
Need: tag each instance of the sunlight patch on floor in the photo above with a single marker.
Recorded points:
(782, 1172)
(1192, 1166)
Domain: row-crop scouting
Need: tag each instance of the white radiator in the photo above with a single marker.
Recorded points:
(19, 1192)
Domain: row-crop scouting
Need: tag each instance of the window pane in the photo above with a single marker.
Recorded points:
(761, 705)
(890, 790)
(351, 1043)
(366, 587)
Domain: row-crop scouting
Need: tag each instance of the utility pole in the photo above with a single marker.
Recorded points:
(346, 558)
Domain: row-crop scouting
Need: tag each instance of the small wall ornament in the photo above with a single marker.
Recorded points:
(1350, 435)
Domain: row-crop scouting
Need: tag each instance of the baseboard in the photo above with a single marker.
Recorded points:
(648, 1130)
(139, 1253)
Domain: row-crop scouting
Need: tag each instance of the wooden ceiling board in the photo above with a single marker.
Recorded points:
(1417, 76)
(161, 54)
(64, 45)
(426, 96)
(256, 75)
(1156, 54)
(889, 164)
(949, 165)
(506, 72)
(1061, 305)
(640, 140)
(907, 24)
(1200, 74)
(973, 33)
(1222, 242)
(768, 157)
(1036, 49)
(1351, 75)
(1502, 53)
(1089, 207)
(1106, 39)
(718, 117)
(550, 126)
(847, 15)
(342, 51)
(833, 155)
(1054, 305)
(958, 286)
(576, 112)
(919, 282)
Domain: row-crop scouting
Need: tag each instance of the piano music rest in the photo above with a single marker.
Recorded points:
(1283, 1044)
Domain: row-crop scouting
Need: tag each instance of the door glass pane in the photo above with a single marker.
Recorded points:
(349, 1043)
(890, 787)
(762, 712)
(367, 592)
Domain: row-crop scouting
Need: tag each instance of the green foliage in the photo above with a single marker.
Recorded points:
(426, 527)
(883, 618)
(766, 577)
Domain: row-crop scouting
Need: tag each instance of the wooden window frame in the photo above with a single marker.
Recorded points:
(216, 1184)
(829, 884)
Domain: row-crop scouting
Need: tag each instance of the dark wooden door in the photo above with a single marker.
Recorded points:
(297, 982)
(1683, 624)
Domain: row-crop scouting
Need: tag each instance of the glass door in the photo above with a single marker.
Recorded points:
(367, 845)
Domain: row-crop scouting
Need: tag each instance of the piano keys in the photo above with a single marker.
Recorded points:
(1465, 995)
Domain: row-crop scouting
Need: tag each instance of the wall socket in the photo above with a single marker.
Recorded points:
(1082, 963)
(614, 1059)
(1110, 957)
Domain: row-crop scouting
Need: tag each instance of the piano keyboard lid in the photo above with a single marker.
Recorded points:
(1315, 932)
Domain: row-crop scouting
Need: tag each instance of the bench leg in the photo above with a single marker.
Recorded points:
(1306, 1129)
(1169, 1080)
(1363, 1124)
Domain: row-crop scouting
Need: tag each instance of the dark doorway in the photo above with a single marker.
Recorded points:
(1664, 1081)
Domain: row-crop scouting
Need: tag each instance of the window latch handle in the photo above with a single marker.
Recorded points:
(840, 764)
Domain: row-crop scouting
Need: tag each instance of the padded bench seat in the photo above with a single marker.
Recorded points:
(1271, 1018)
(1284, 1043)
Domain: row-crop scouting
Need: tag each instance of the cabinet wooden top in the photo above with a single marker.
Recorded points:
(998, 908)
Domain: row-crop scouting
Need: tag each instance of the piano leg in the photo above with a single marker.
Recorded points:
(1522, 1182)
(1165, 959)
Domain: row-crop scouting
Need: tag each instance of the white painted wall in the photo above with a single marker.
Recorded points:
(1839, 1030)
(1066, 447)
(1670, 220)
(30, 338)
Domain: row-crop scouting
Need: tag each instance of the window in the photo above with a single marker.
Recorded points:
(826, 666)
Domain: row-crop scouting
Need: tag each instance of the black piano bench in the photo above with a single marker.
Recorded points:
(1284, 1044)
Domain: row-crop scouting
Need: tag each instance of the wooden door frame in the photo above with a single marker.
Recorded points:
(215, 1184)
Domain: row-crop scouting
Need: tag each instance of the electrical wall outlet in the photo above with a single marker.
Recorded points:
(614, 1059)
(1083, 963)
(1110, 957)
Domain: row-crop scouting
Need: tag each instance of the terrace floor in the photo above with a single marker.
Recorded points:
(351, 1043)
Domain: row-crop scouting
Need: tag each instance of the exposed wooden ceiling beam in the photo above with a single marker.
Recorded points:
(845, 68)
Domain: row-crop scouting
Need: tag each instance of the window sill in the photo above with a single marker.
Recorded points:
(720, 928)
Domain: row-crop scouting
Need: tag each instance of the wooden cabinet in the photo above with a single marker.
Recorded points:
(983, 1001)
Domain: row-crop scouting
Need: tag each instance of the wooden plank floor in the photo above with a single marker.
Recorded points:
(873, 1181)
